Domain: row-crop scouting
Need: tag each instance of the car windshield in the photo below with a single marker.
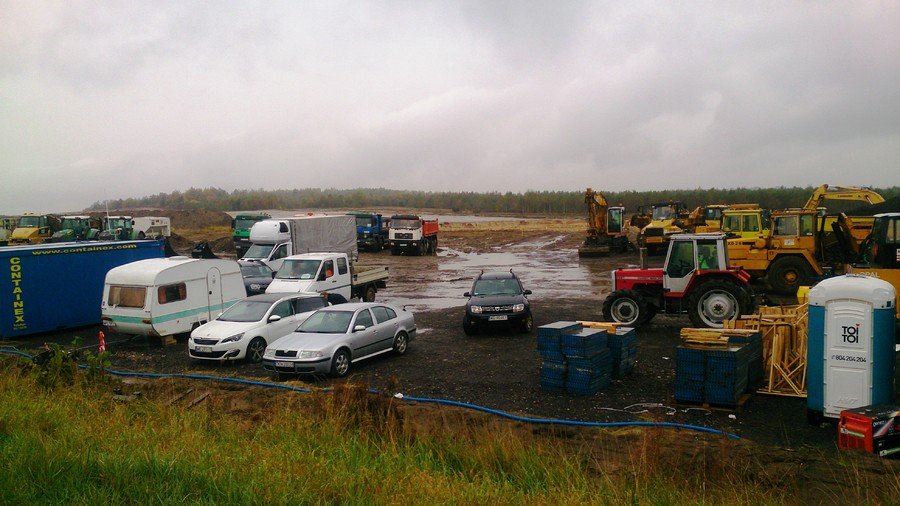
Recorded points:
(255, 271)
(245, 311)
(259, 251)
(327, 322)
(496, 287)
(298, 269)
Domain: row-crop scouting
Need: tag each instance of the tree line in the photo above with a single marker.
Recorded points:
(529, 202)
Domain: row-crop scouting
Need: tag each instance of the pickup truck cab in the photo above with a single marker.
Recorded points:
(328, 272)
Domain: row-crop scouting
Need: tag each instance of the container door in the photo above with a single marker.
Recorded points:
(214, 287)
(848, 355)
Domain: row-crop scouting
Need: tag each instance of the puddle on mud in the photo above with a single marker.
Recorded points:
(439, 282)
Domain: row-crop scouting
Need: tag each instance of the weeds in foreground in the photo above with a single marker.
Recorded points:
(74, 444)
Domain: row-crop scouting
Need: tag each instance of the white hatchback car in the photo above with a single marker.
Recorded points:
(247, 327)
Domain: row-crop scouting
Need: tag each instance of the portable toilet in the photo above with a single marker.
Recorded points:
(850, 352)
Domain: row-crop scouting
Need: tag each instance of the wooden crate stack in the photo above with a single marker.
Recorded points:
(784, 332)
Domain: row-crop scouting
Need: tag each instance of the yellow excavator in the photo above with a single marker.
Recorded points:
(606, 227)
(801, 243)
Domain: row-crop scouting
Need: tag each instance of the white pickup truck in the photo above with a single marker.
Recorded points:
(328, 272)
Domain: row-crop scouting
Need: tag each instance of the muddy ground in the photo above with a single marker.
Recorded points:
(501, 369)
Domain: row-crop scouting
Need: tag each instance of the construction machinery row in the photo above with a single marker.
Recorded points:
(31, 228)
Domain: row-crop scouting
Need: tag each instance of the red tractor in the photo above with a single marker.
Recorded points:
(694, 280)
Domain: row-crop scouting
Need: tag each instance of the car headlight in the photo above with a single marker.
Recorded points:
(475, 309)
(310, 354)
(270, 353)
(233, 339)
(518, 308)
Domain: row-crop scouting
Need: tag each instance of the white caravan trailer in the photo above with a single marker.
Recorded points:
(169, 296)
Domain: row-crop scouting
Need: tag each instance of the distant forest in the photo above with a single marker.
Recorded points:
(530, 202)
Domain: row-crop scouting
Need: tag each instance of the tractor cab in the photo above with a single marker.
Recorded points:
(690, 254)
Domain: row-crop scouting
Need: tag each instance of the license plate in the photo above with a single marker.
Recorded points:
(109, 323)
(203, 349)
(284, 364)
(497, 318)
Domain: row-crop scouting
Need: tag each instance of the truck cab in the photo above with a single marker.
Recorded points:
(371, 231)
(270, 243)
(745, 223)
(330, 273)
(241, 225)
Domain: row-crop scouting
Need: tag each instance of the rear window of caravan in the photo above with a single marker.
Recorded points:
(126, 296)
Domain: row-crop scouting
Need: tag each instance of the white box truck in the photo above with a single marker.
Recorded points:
(274, 240)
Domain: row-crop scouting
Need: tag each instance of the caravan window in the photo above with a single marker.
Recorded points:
(126, 296)
(172, 293)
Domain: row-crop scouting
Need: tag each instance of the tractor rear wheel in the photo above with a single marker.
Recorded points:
(787, 274)
(626, 307)
(717, 300)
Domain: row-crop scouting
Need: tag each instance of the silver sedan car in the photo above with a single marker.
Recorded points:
(334, 337)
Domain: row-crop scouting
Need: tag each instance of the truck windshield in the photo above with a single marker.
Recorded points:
(327, 322)
(364, 221)
(244, 223)
(245, 311)
(30, 221)
(298, 269)
(406, 223)
(259, 251)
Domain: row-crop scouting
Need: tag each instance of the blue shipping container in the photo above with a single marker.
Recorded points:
(60, 285)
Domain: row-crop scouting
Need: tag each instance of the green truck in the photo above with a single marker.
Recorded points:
(241, 225)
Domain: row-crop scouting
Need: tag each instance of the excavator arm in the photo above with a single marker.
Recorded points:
(826, 192)
(597, 206)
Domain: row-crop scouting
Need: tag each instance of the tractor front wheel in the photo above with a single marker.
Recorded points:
(626, 307)
(787, 274)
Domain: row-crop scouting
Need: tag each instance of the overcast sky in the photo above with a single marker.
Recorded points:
(125, 99)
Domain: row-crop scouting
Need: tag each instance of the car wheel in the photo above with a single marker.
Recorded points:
(401, 343)
(369, 296)
(527, 324)
(255, 350)
(715, 301)
(626, 307)
(469, 326)
(340, 363)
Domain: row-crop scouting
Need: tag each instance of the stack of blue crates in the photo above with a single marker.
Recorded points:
(623, 346)
(553, 367)
(589, 360)
(754, 347)
(726, 374)
(715, 375)
(690, 374)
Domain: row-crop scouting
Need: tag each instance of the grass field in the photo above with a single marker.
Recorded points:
(68, 441)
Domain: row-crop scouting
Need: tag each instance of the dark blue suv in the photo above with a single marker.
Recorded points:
(497, 298)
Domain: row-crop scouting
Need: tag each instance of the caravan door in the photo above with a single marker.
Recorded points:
(214, 287)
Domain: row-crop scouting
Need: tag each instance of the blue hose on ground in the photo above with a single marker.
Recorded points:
(423, 400)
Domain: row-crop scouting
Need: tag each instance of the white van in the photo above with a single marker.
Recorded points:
(169, 296)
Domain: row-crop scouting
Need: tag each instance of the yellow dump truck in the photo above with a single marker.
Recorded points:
(34, 228)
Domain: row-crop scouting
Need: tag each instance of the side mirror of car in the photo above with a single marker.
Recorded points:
(467, 294)
(527, 292)
(274, 318)
(359, 328)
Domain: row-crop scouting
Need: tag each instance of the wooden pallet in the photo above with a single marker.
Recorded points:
(784, 331)
(715, 407)
(609, 327)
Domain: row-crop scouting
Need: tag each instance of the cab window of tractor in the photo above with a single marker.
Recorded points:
(707, 255)
(751, 223)
(172, 293)
(681, 261)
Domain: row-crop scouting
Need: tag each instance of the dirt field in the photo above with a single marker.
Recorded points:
(501, 370)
